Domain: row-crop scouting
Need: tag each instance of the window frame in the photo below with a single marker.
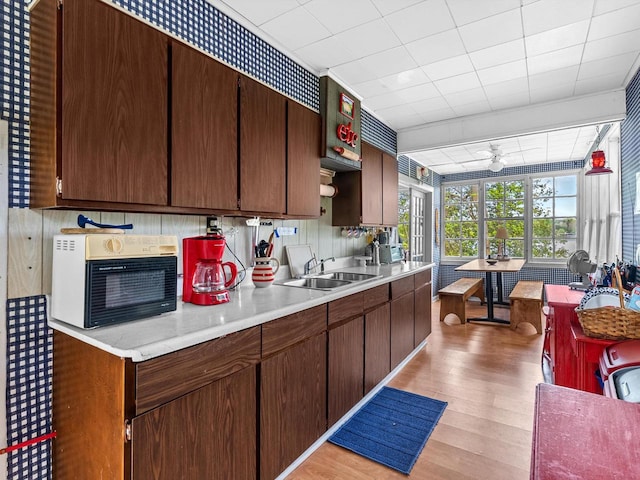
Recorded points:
(528, 214)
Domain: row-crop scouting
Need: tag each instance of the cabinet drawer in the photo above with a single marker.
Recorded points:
(402, 286)
(286, 331)
(164, 378)
(346, 307)
(422, 278)
(376, 296)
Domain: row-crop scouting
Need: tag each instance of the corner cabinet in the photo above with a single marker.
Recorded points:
(263, 148)
(98, 128)
(204, 140)
(368, 196)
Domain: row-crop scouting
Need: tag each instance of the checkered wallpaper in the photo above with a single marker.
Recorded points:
(29, 367)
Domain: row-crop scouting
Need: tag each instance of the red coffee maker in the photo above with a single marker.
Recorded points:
(205, 280)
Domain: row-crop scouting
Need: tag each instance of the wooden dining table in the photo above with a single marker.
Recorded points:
(512, 265)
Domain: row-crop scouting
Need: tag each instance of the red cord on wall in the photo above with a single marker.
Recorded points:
(17, 446)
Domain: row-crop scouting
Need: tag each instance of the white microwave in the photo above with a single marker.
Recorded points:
(103, 279)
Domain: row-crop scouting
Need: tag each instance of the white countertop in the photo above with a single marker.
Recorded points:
(191, 324)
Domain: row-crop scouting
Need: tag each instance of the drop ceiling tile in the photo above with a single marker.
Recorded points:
(471, 108)
(389, 62)
(618, 64)
(353, 72)
(614, 23)
(473, 95)
(491, 31)
(419, 92)
(386, 7)
(421, 20)
(554, 60)
(557, 38)
(547, 14)
(549, 94)
(338, 15)
(430, 104)
(438, 115)
(598, 84)
(613, 45)
(369, 38)
(386, 100)
(261, 12)
(406, 79)
(498, 54)
(517, 86)
(371, 88)
(295, 29)
(504, 72)
(604, 6)
(468, 11)
(554, 77)
(502, 102)
(458, 83)
(326, 53)
(436, 47)
(449, 67)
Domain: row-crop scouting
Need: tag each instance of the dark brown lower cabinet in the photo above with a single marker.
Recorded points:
(422, 305)
(346, 368)
(293, 403)
(209, 433)
(377, 346)
(402, 328)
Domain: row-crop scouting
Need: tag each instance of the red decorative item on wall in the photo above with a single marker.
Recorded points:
(598, 164)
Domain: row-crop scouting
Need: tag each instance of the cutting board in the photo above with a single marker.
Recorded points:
(298, 255)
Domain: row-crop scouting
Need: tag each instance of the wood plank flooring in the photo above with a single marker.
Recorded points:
(488, 374)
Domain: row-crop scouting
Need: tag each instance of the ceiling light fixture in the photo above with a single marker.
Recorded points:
(598, 160)
(496, 165)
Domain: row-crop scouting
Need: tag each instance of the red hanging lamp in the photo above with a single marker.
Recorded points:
(598, 161)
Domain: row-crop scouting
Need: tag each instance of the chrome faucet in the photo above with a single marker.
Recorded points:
(308, 267)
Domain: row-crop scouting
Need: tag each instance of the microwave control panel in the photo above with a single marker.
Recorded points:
(103, 246)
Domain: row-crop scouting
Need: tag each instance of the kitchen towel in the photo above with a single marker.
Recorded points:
(392, 428)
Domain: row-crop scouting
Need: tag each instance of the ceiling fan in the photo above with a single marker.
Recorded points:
(495, 154)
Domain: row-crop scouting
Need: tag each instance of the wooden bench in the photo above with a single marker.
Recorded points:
(526, 304)
(453, 297)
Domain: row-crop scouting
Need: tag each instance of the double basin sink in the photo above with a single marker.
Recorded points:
(330, 280)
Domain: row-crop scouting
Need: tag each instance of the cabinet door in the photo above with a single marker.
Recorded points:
(402, 328)
(371, 185)
(204, 126)
(346, 368)
(389, 190)
(262, 148)
(293, 407)
(210, 433)
(377, 346)
(114, 106)
(303, 161)
(422, 306)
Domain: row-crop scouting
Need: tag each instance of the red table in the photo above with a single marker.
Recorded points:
(579, 435)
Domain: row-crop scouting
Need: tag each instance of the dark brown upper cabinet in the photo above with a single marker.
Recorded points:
(204, 129)
(370, 196)
(263, 148)
(303, 161)
(98, 107)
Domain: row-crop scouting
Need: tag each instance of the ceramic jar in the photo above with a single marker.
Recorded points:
(264, 271)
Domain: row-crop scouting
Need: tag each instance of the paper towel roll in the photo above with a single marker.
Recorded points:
(328, 190)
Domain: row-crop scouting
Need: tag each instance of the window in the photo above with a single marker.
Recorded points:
(539, 215)
(461, 221)
(554, 227)
(504, 207)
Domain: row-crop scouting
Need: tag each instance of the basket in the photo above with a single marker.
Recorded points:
(611, 323)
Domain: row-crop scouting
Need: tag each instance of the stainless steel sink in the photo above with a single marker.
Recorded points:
(318, 283)
(349, 276)
(329, 281)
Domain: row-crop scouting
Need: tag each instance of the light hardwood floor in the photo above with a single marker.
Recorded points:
(487, 374)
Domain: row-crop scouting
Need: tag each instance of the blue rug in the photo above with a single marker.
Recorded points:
(391, 428)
